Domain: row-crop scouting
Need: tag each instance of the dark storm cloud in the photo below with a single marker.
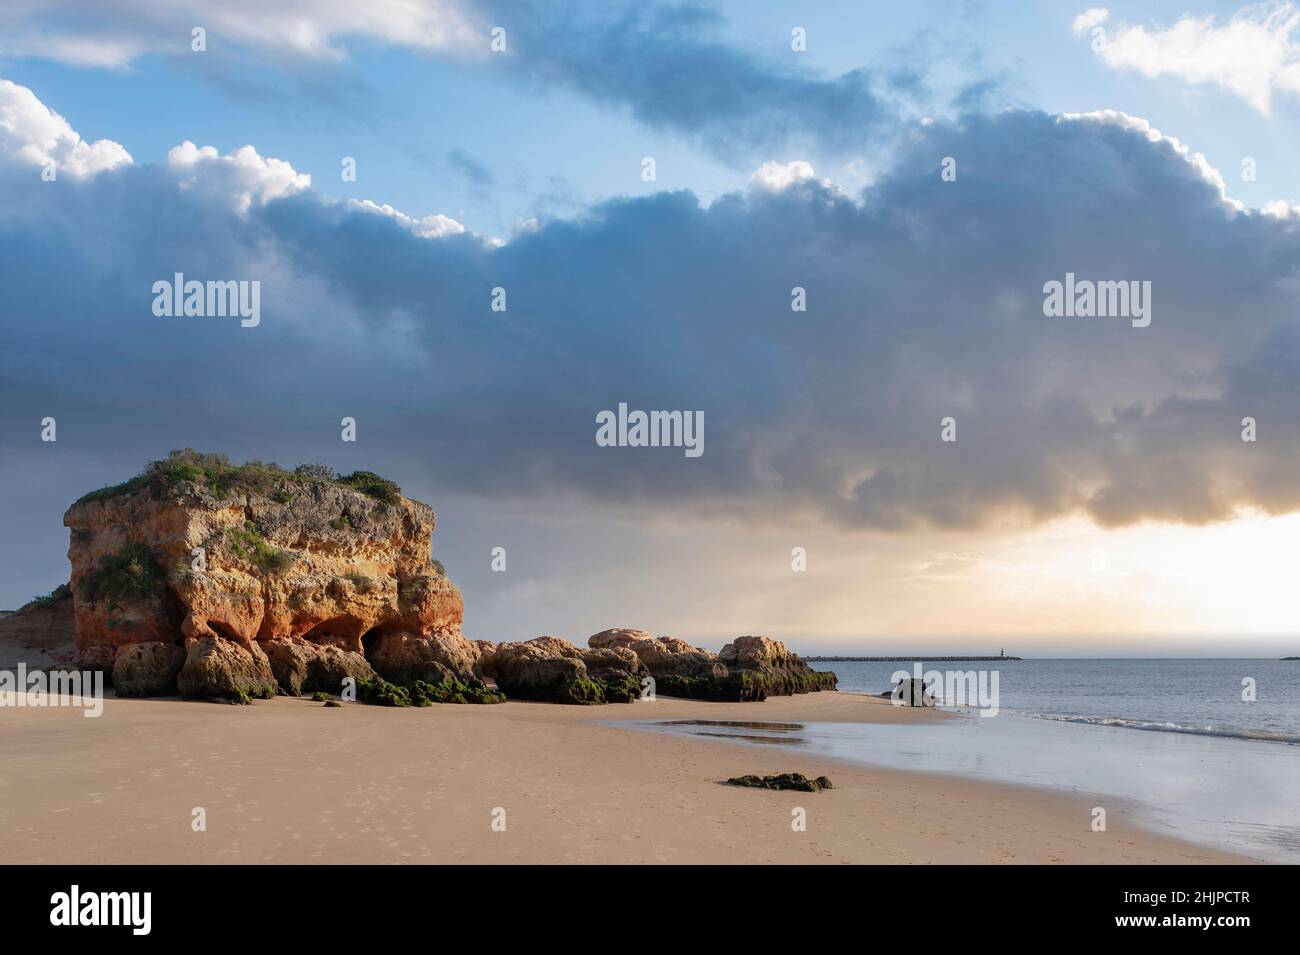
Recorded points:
(924, 301)
(670, 65)
(671, 68)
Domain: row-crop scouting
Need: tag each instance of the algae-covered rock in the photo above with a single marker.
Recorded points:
(794, 781)
(379, 692)
(551, 670)
(748, 669)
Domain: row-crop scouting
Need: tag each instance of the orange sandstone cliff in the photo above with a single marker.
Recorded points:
(223, 580)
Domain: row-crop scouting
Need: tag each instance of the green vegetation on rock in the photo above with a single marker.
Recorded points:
(737, 687)
(248, 544)
(217, 476)
(619, 689)
(368, 482)
(581, 691)
(130, 574)
(44, 600)
(744, 686)
(380, 692)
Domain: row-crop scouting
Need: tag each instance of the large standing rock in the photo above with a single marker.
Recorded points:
(284, 555)
(147, 669)
(225, 670)
(196, 547)
(403, 657)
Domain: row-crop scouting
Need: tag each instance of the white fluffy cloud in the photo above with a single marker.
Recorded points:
(777, 176)
(243, 176)
(1093, 16)
(427, 227)
(1255, 54)
(33, 134)
(1197, 161)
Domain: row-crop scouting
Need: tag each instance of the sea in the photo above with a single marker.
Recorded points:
(1207, 750)
(1202, 697)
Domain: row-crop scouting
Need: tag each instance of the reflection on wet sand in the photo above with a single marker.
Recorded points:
(783, 728)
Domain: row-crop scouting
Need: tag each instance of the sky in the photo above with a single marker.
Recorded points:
(919, 170)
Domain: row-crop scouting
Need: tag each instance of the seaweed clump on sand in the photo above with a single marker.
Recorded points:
(796, 781)
(380, 692)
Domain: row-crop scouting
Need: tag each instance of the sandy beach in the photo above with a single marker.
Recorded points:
(292, 781)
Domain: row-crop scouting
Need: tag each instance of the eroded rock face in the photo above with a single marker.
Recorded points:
(252, 555)
(328, 564)
(486, 653)
(404, 657)
(217, 669)
(617, 637)
(147, 669)
(301, 667)
(600, 662)
(40, 635)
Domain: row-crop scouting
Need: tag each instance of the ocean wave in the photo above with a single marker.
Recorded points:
(1227, 732)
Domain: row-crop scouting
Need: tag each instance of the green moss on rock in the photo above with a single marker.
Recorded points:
(130, 574)
(248, 544)
(216, 475)
(380, 692)
(736, 687)
(370, 483)
(744, 686)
